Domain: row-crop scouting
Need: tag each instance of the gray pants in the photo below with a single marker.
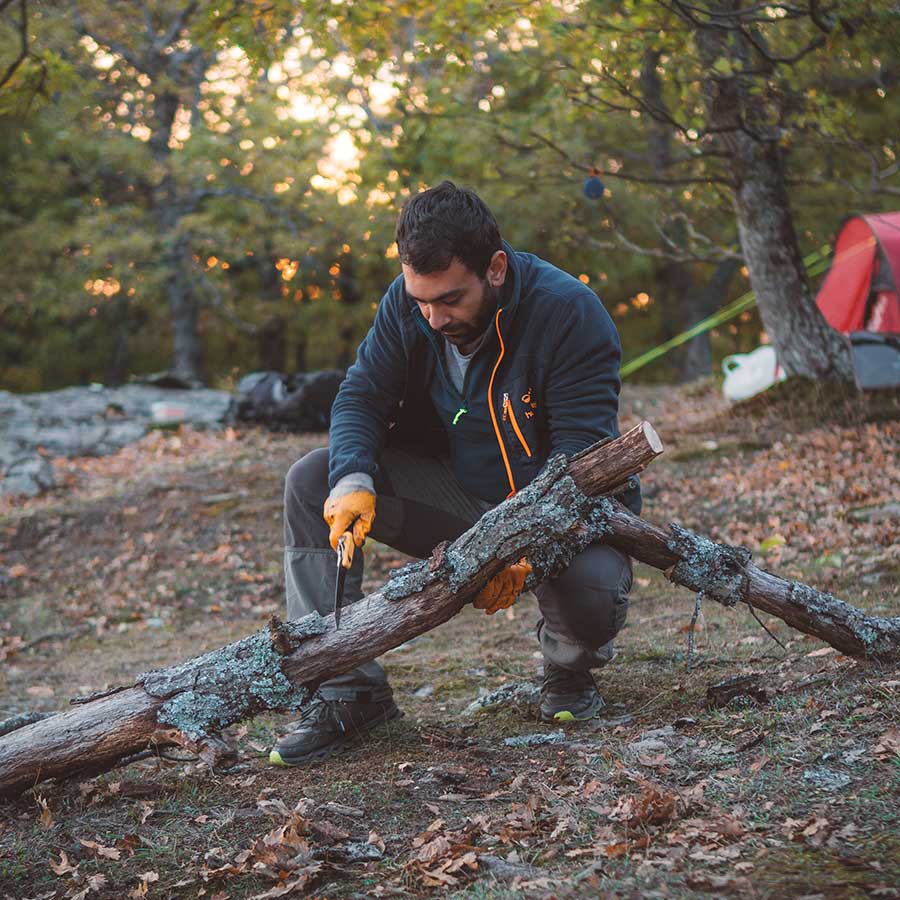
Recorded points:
(420, 503)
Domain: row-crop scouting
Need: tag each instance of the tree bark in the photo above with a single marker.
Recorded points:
(187, 352)
(117, 367)
(805, 343)
(682, 304)
(277, 667)
(695, 360)
(176, 73)
(676, 291)
(741, 120)
(550, 521)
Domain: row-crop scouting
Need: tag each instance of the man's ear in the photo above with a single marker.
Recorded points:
(496, 273)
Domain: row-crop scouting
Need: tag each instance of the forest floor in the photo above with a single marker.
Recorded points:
(172, 547)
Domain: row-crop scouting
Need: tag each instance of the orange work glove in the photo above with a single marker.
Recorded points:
(350, 512)
(501, 591)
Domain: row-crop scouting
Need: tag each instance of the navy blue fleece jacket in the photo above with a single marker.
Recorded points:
(546, 381)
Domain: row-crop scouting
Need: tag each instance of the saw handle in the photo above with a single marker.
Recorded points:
(345, 549)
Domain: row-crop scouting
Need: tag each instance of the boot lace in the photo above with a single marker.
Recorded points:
(318, 711)
(558, 680)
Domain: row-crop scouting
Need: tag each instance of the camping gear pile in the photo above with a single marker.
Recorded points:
(300, 402)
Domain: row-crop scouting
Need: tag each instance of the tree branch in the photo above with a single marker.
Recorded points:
(23, 37)
(195, 199)
(218, 303)
(178, 23)
(640, 179)
(146, 66)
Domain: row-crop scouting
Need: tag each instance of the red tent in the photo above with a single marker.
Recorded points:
(860, 292)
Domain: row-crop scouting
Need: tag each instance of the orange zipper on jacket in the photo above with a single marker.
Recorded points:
(490, 389)
(508, 407)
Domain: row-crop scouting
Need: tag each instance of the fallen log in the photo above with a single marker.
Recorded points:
(550, 521)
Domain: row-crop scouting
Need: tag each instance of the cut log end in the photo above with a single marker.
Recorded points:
(654, 441)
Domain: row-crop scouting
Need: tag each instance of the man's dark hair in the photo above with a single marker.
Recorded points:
(443, 223)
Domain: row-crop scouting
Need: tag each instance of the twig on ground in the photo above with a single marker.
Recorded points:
(764, 628)
(693, 625)
(54, 636)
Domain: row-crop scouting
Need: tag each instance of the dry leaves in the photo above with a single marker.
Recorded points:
(10, 645)
(813, 831)
(63, 867)
(100, 850)
(291, 854)
(143, 888)
(888, 745)
(653, 806)
(802, 490)
(440, 858)
(46, 816)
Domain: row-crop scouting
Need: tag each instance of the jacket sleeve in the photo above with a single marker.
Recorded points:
(583, 383)
(582, 393)
(369, 395)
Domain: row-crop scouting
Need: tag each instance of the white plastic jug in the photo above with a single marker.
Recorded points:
(747, 374)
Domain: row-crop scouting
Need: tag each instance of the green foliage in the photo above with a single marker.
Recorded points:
(247, 213)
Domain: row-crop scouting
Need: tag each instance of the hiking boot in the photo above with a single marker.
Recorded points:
(328, 726)
(568, 696)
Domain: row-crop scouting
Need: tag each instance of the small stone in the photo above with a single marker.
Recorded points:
(28, 477)
(827, 779)
(516, 694)
(536, 740)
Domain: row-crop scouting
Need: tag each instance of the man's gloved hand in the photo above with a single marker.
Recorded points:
(356, 509)
(501, 591)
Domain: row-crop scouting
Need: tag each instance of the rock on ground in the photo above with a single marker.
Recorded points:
(85, 421)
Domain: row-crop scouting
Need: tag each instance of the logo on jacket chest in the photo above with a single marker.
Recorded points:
(529, 405)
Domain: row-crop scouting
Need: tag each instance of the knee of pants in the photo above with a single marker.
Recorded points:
(596, 616)
(589, 601)
(307, 478)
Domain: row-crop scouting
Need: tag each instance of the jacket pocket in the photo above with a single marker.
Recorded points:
(509, 416)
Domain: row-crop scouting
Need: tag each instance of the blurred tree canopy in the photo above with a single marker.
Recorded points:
(213, 188)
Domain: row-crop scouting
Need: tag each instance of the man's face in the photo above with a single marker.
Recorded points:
(456, 302)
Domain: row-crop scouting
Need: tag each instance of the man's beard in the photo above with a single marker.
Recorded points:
(469, 334)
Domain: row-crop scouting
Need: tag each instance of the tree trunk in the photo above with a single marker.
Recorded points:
(676, 295)
(549, 521)
(175, 72)
(740, 117)
(187, 354)
(117, 368)
(676, 292)
(301, 346)
(271, 344)
(805, 343)
(277, 667)
(696, 357)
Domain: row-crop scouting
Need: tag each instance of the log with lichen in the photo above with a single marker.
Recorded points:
(551, 520)
(278, 667)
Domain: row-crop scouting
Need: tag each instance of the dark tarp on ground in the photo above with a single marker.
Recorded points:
(300, 402)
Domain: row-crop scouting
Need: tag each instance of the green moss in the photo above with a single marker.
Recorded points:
(230, 684)
(716, 569)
